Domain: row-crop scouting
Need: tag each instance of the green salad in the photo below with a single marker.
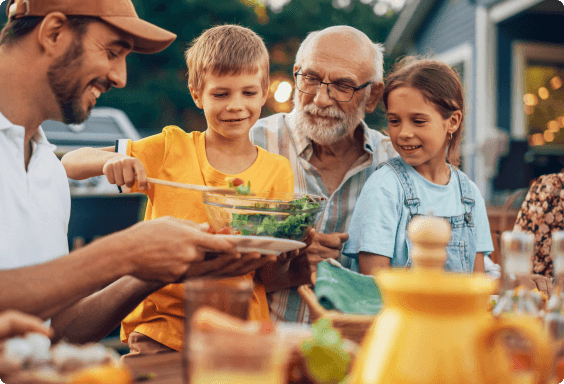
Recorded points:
(293, 226)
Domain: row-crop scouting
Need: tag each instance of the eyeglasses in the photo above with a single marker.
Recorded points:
(339, 92)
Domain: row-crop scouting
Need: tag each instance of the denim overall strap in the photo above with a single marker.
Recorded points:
(466, 194)
(411, 201)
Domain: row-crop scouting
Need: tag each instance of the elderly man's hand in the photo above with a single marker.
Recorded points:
(165, 249)
(321, 246)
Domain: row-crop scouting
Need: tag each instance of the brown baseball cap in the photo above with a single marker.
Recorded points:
(147, 37)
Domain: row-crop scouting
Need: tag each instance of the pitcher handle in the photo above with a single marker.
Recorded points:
(528, 328)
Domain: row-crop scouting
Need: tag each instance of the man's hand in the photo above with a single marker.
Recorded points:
(15, 323)
(229, 265)
(124, 170)
(321, 246)
(165, 249)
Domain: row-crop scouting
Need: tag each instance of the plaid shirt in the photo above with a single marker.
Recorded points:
(277, 134)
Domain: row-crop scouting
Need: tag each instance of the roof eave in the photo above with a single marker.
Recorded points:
(407, 24)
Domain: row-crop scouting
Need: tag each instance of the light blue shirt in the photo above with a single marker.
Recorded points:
(379, 221)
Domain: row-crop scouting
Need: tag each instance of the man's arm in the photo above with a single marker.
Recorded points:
(45, 289)
(160, 250)
(94, 317)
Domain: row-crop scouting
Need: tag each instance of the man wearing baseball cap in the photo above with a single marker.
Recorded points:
(56, 58)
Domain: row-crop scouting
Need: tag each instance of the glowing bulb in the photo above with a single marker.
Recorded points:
(553, 126)
(530, 99)
(560, 121)
(341, 3)
(538, 139)
(529, 109)
(543, 93)
(380, 8)
(556, 82)
(396, 5)
(548, 136)
(283, 92)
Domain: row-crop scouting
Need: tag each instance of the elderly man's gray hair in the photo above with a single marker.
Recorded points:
(377, 52)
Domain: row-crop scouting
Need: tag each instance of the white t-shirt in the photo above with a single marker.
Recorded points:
(34, 205)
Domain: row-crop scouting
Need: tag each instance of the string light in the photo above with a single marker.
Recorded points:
(380, 8)
(548, 136)
(537, 139)
(283, 92)
(530, 99)
(543, 93)
(553, 126)
(556, 82)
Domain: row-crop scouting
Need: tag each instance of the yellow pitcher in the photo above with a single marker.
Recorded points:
(435, 326)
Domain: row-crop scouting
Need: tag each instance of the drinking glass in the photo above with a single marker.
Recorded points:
(231, 295)
(236, 358)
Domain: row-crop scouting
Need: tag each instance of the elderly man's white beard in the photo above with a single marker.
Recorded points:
(322, 131)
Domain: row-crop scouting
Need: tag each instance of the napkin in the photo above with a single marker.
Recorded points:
(340, 288)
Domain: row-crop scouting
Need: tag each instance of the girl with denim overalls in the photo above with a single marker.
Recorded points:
(425, 109)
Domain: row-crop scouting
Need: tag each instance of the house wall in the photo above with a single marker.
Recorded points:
(449, 24)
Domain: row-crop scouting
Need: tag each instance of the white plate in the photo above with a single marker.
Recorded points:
(263, 244)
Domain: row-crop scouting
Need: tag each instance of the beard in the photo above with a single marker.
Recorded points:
(65, 83)
(322, 131)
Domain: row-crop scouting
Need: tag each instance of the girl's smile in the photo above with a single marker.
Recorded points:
(419, 133)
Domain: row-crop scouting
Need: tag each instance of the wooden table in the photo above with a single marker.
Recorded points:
(166, 368)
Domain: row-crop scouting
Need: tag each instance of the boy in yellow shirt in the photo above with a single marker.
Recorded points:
(228, 77)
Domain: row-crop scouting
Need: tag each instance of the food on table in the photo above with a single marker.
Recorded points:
(37, 362)
(326, 357)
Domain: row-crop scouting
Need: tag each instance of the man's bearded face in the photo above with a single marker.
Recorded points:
(65, 81)
(330, 124)
(65, 84)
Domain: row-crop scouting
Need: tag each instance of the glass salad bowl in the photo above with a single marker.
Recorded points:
(282, 215)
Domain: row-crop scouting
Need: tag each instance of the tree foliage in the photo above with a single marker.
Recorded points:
(157, 94)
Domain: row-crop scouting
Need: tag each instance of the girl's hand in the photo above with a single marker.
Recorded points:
(125, 170)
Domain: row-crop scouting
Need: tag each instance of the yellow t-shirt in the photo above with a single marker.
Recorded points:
(179, 156)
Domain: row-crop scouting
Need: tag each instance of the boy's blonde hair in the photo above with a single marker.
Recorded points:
(227, 50)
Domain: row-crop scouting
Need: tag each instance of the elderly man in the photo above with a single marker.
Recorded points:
(339, 77)
(56, 58)
(338, 74)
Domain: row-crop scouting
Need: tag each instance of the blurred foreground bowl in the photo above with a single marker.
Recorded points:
(276, 214)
